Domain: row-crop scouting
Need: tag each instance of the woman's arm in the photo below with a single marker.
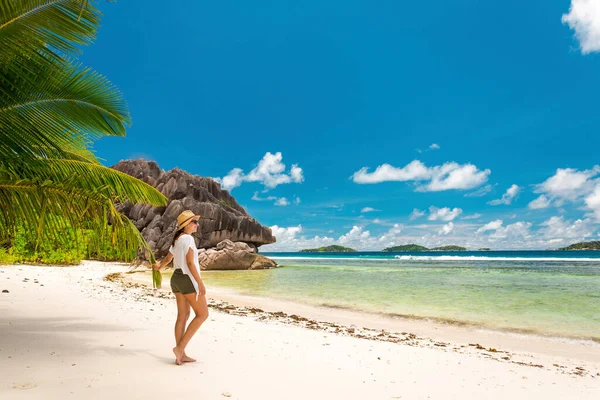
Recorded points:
(189, 257)
(164, 262)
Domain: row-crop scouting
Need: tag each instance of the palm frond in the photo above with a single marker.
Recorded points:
(52, 106)
(48, 211)
(51, 110)
(84, 177)
(31, 26)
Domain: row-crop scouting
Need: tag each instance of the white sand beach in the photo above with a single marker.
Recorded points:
(66, 332)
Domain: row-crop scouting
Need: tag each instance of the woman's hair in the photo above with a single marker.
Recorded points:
(177, 234)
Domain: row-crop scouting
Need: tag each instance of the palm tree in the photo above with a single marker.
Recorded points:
(51, 109)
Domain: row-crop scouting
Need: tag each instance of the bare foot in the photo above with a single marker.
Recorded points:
(187, 359)
(178, 355)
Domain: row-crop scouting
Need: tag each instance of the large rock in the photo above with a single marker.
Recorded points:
(222, 218)
(230, 255)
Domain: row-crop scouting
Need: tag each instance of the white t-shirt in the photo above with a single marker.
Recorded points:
(180, 250)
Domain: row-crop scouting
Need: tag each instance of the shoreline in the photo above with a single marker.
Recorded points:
(385, 320)
(85, 331)
(446, 258)
(526, 345)
(439, 323)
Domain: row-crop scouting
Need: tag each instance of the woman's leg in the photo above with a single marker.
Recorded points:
(201, 310)
(183, 314)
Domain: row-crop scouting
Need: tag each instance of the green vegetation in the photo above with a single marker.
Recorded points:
(406, 247)
(330, 249)
(226, 204)
(449, 248)
(416, 247)
(594, 245)
(87, 245)
(54, 193)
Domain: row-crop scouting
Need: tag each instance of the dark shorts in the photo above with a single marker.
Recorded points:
(181, 283)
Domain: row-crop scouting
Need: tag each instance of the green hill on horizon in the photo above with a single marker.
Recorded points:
(593, 245)
(416, 247)
(406, 247)
(449, 248)
(329, 249)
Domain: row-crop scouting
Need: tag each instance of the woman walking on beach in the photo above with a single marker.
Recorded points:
(186, 283)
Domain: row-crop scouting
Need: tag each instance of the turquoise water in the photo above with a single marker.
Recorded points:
(550, 293)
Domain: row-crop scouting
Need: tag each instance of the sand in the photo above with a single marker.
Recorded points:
(67, 332)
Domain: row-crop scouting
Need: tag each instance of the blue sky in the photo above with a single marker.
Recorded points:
(468, 122)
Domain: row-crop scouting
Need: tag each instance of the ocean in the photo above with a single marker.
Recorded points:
(551, 293)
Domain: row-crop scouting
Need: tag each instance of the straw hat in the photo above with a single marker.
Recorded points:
(185, 218)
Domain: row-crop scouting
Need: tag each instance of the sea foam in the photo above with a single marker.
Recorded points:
(483, 258)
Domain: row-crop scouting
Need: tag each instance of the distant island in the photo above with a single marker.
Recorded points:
(329, 249)
(416, 247)
(449, 248)
(406, 247)
(594, 245)
(484, 249)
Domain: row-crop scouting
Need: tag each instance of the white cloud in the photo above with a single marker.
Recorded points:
(455, 176)
(414, 171)
(518, 230)
(231, 180)
(592, 201)
(270, 172)
(443, 214)
(296, 174)
(356, 233)
(557, 228)
(480, 192)
(446, 229)
(282, 233)
(448, 176)
(568, 183)
(368, 209)
(541, 202)
(554, 232)
(434, 146)
(391, 234)
(584, 19)
(278, 201)
(358, 238)
(491, 226)
(256, 197)
(297, 200)
(473, 216)
(289, 239)
(416, 213)
(507, 197)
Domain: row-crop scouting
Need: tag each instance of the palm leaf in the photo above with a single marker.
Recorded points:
(156, 279)
(51, 110)
(36, 191)
(52, 106)
(84, 176)
(63, 209)
(32, 26)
